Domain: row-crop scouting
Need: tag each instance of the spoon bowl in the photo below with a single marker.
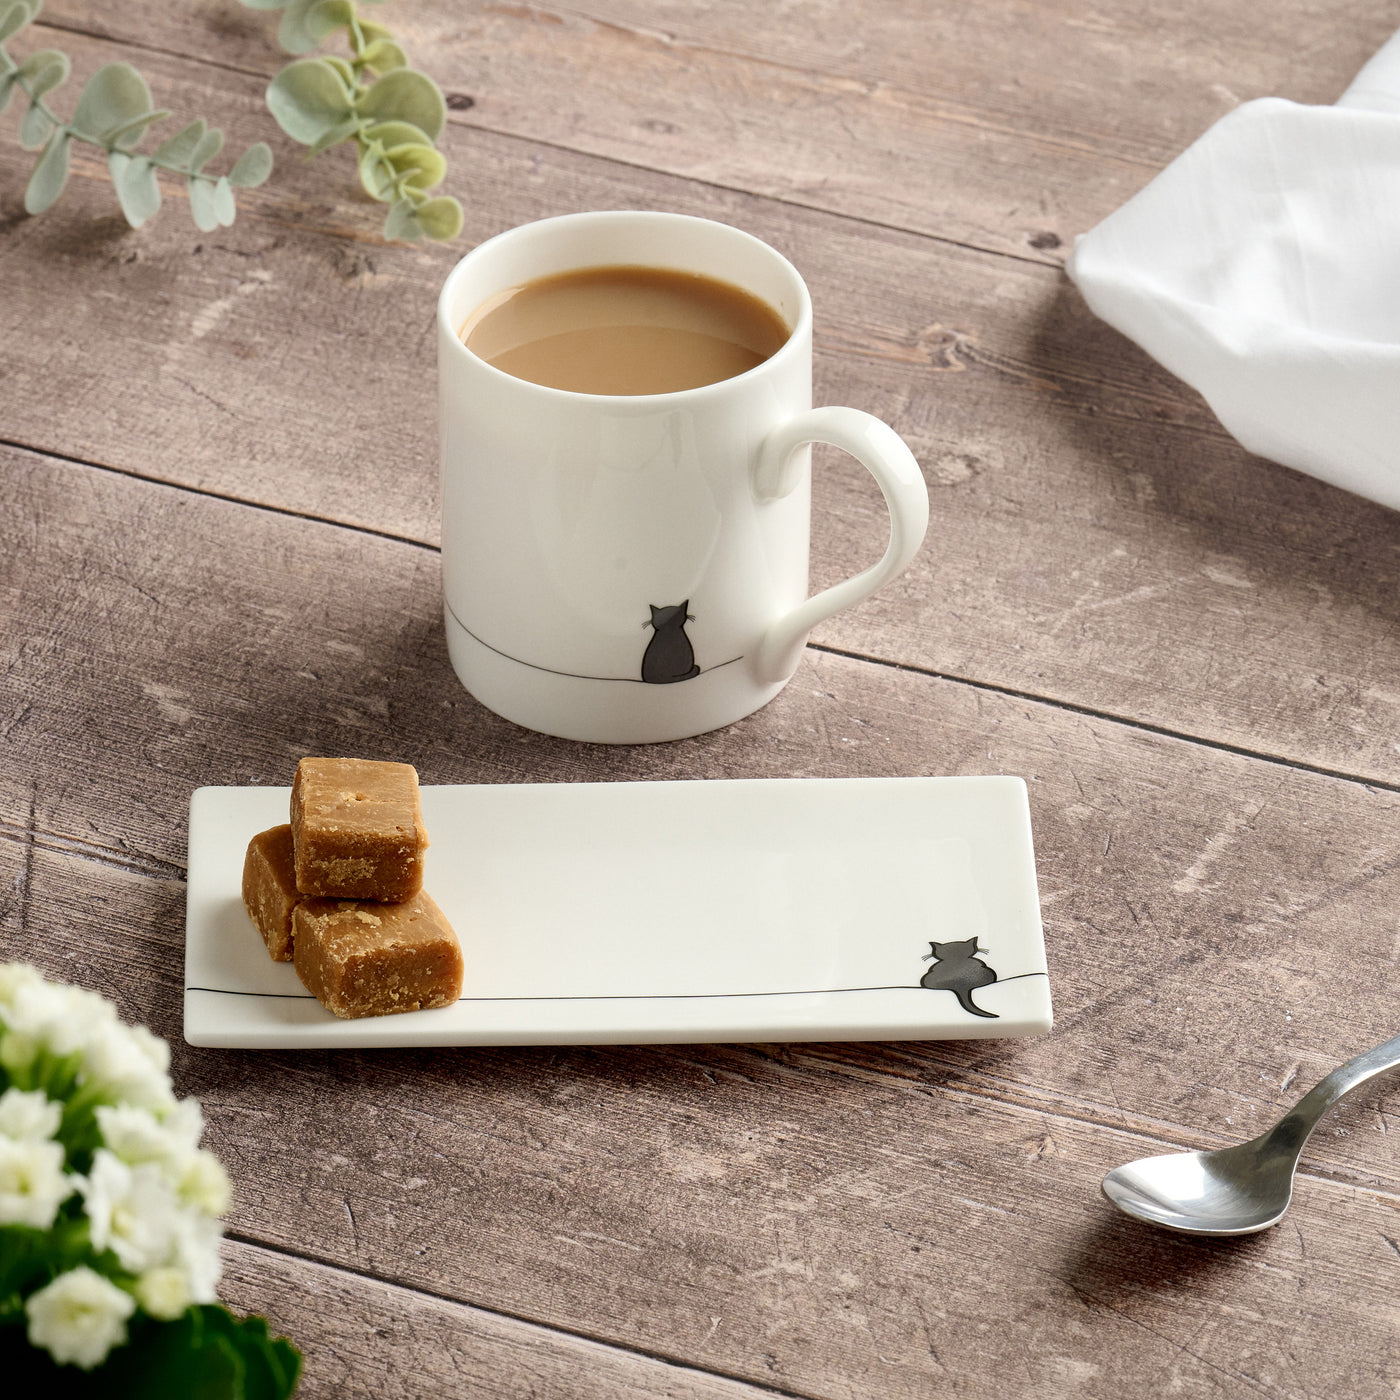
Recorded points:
(1237, 1190)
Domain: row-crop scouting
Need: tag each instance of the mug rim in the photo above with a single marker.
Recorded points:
(789, 346)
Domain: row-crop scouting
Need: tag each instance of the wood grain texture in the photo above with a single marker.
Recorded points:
(857, 1232)
(1096, 539)
(864, 1220)
(1009, 126)
(366, 1340)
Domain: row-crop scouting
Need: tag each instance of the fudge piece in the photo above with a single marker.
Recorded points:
(362, 958)
(357, 828)
(270, 889)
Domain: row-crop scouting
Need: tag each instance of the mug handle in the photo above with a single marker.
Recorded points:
(884, 454)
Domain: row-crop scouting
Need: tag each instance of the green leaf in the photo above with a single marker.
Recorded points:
(326, 16)
(342, 66)
(264, 4)
(292, 33)
(376, 174)
(113, 96)
(7, 87)
(440, 217)
(308, 98)
(43, 71)
(371, 31)
(224, 206)
(50, 175)
(134, 178)
(421, 166)
(383, 55)
(14, 17)
(129, 133)
(342, 131)
(203, 207)
(252, 167)
(206, 148)
(401, 223)
(34, 128)
(396, 134)
(180, 147)
(408, 96)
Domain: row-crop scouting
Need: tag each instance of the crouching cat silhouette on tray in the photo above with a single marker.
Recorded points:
(957, 969)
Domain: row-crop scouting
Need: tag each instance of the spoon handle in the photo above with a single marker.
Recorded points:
(1293, 1131)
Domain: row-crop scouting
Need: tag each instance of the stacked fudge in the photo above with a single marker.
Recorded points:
(339, 892)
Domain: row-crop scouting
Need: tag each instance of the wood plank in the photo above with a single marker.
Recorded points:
(860, 1218)
(1011, 127)
(815, 1224)
(362, 1338)
(1096, 539)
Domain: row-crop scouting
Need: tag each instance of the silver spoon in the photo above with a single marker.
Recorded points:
(1238, 1190)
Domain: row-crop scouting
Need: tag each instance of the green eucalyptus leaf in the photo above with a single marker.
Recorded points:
(8, 82)
(113, 95)
(326, 16)
(7, 64)
(421, 167)
(264, 4)
(376, 174)
(408, 96)
(206, 148)
(224, 206)
(342, 131)
(383, 55)
(50, 175)
(43, 71)
(342, 66)
(292, 33)
(370, 31)
(14, 16)
(180, 147)
(440, 217)
(400, 222)
(129, 133)
(34, 128)
(253, 166)
(308, 98)
(396, 134)
(203, 206)
(134, 178)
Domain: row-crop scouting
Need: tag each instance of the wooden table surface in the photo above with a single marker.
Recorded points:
(218, 552)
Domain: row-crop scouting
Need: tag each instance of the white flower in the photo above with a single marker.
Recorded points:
(32, 1183)
(132, 1211)
(136, 1135)
(128, 1063)
(204, 1183)
(185, 1122)
(164, 1292)
(197, 1239)
(29, 1116)
(60, 1018)
(79, 1317)
(13, 976)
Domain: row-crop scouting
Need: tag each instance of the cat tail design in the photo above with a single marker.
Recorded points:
(964, 996)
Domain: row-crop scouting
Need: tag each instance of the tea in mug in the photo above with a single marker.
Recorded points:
(625, 330)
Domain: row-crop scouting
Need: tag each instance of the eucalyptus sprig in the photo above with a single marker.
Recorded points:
(114, 112)
(392, 112)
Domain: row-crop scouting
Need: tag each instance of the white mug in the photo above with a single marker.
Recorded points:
(632, 568)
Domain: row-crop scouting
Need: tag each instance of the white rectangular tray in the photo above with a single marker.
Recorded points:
(614, 913)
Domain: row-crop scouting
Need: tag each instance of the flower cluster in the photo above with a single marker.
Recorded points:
(109, 1209)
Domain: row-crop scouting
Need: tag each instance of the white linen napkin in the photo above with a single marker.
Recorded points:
(1263, 267)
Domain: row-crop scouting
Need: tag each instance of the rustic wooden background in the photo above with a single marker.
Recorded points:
(218, 553)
